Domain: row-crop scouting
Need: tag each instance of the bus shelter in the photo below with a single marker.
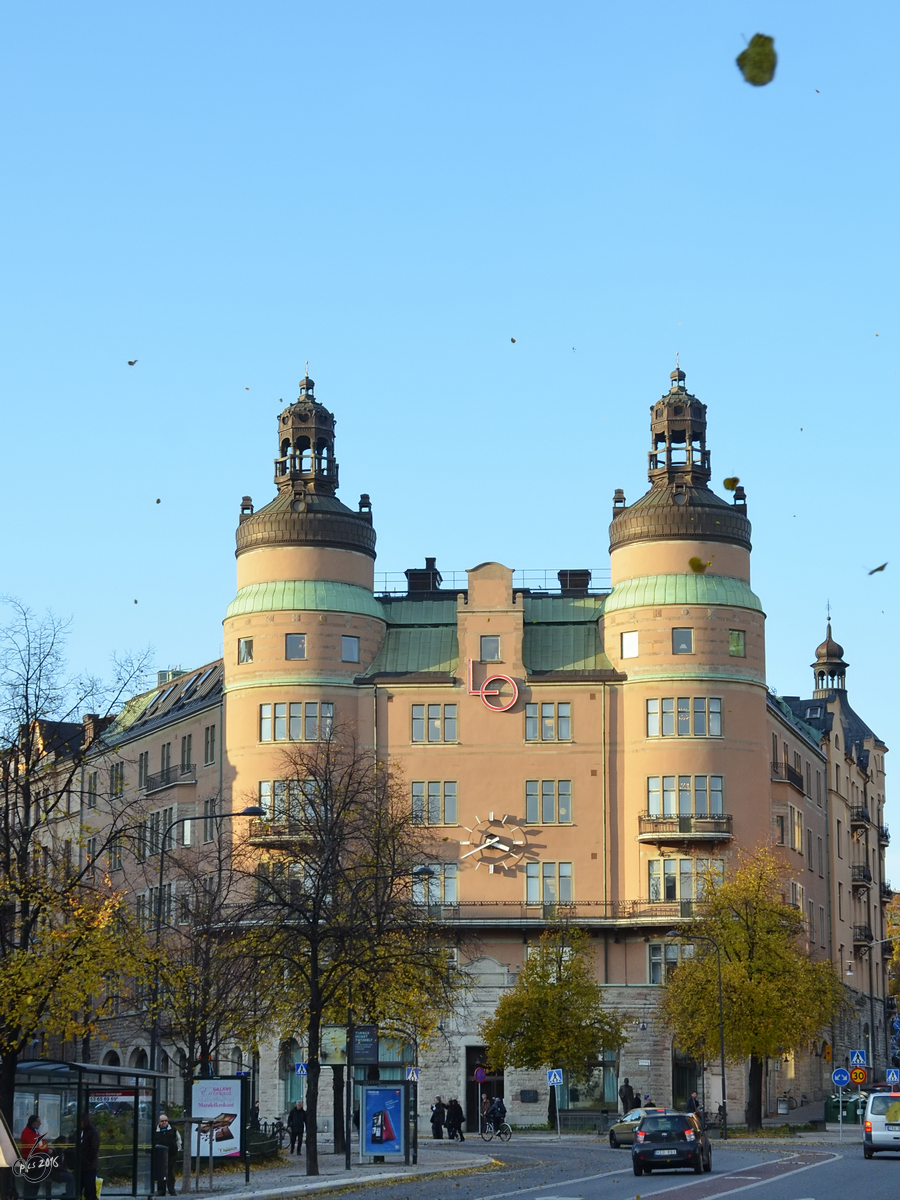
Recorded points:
(122, 1102)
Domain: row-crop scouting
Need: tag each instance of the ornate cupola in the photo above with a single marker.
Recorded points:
(829, 668)
(305, 461)
(680, 503)
(306, 511)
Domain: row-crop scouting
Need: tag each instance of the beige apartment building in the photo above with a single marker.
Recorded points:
(588, 748)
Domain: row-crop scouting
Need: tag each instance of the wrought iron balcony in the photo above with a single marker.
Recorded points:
(887, 892)
(482, 914)
(781, 770)
(859, 816)
(276, 834)
(171, 777)
(692, 827)
(884, 835)
(862, 935)
(860, 875)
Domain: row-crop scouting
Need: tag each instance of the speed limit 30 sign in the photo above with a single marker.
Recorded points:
(859, 1075)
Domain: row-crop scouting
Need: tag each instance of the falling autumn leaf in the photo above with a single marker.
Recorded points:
(512, 339)
(875, 570)
(730, 483)
(157, 502)
(757, 62)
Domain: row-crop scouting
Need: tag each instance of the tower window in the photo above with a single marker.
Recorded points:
(737, 643)
(245, 650)
(490, 649)
(682, 641)
(350, 649)
(630, 644)
(295, 645)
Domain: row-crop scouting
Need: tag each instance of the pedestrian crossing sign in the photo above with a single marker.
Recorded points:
(893, 1075)
(412, 1074)
(300, 1068)
(554, 1076)
(857, 1058)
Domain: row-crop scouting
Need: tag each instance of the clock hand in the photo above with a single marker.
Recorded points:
(488, 842)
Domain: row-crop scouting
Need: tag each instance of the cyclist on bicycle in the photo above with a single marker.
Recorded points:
(496, 1114)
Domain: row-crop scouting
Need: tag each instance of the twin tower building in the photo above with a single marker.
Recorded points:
(578, 750)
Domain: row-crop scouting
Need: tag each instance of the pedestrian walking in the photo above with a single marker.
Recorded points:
(626, 1095)
(166, 1137)
(693, 1104)
(32, 1141)
(438, 1119)
(254, 1116)
(90, 1157)
(296, 1125)
(455, 1118)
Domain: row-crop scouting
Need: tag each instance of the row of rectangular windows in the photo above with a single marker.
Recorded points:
(546, 722)
(292, 722)
(673, 879)
(545, 883)
(697, 795)
(683, 643)
(684, 716)
(803, 778)
(547, 802)
(295, 648)
(117, 769)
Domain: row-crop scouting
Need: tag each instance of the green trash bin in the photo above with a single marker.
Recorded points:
(832, 1111)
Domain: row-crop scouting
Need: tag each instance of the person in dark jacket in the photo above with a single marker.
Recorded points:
(296, 1124)
(254, 1116)
(438, 1119)
(627, 1096)
(165, 1135)
(455, 1120)
(90, 1157)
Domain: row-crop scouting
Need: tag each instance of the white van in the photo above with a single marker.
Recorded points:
(881, 1123)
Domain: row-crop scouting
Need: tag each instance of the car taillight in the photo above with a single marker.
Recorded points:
(868, 1126)
(689, 1135)
(640, 1136)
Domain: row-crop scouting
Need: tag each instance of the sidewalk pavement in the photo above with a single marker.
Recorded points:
(289, 1178)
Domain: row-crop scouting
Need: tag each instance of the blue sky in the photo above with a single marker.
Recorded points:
(393, 191)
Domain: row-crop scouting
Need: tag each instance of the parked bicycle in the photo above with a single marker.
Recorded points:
(503, 1131)
(713, 1120)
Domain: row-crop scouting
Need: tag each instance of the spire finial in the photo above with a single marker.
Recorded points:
(828, 611)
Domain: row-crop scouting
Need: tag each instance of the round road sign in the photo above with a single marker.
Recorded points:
(858, 1075)
(840, 1077)
(480, 1074)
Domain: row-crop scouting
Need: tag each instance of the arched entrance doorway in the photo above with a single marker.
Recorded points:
(685, 1077)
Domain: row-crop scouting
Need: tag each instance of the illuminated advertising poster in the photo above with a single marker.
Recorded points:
(218, 1102)
(383, 1130)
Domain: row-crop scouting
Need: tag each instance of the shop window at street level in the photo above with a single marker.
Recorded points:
(295, 645)
(737, 643)
(629, 644)
(245, 650)
(490, 649)
(434, 803)
(349, 649)
(682, 641)
(548, 722)
(434, 722)
(548, 801)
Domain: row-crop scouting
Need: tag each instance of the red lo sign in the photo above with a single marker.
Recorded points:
(504, 690)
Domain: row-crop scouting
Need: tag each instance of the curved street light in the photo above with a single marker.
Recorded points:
(252, 810)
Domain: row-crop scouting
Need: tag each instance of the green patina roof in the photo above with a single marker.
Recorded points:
(421, 612)
(317, 595)
(575, 647)
(562, 610)
(407, 650)
(681, 589)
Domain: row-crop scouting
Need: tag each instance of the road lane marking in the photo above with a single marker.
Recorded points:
(540, 1186)
(774, 1177)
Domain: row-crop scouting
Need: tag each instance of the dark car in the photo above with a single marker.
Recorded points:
(668, 1140)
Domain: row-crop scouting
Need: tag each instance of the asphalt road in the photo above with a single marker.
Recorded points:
(583, 1170)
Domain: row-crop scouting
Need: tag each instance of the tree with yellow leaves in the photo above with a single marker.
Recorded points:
(554, 1015)
(64, 930)
(775, 996)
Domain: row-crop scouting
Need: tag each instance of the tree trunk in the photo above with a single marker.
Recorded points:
(551, 1109)
(312, 1107)
(755, 1095)
(338, 1087)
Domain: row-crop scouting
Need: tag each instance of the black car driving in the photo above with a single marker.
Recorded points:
(670, 1140)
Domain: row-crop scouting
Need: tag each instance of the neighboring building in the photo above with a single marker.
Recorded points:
(578, 749)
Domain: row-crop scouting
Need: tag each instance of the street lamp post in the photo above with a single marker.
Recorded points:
(673, 933)
(252, 810)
